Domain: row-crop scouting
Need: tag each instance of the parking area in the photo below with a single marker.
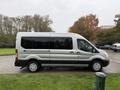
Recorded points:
(114, 66)
(7, 65)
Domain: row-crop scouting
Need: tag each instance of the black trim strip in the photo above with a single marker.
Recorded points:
(23, 63)
(64, 62)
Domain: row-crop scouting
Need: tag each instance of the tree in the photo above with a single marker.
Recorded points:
(117, 21)
(41, 24)
(108, 36)
(9, 26)
(86, 26)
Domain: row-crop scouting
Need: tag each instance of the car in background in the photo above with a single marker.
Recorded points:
(105, 47)
(116, 47)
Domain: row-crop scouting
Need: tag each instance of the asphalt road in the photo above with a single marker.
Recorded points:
(7, 65)
(114, 66)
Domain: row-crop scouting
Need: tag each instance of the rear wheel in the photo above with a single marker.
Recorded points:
(33, 66)
(96, 66)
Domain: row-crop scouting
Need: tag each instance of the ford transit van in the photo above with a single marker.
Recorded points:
(37, 49)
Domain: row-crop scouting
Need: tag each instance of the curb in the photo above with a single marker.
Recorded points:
(7, 55)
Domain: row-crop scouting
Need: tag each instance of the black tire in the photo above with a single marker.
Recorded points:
(33, 66)
(115, 50)
(96, 66)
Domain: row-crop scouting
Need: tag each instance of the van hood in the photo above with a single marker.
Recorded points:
(103, 52)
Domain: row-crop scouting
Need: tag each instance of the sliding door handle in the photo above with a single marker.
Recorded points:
(71, 52)
(24, 50)
(77, 52)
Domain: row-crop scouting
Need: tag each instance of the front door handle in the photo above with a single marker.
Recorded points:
(24, 50)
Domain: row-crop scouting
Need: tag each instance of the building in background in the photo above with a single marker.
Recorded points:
(107, 26)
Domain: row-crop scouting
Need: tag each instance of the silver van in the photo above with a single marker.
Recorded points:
(37, 49)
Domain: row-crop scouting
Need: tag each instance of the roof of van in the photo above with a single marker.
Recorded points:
(49, 34)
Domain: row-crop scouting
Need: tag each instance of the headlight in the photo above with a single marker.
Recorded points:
(106, 54)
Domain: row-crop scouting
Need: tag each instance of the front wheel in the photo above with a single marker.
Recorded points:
(96, 66)
(33, 66)
(115, 50)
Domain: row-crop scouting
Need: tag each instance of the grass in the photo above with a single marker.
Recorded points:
(56, 81)
(7, 51)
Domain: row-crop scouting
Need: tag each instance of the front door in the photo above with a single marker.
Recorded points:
(86, 50)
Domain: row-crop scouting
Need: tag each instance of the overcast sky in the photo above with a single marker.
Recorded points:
(63, 12)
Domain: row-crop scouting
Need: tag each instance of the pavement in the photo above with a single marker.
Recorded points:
(7, 65)
(114, 66)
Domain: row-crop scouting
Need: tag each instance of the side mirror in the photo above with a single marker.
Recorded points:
(91, 49)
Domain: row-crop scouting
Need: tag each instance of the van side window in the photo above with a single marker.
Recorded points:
(26, 42)
(85, 46)
(35, 42)
(61, 43)
(47, 43)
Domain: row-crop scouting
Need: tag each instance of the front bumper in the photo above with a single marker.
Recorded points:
(105, 63)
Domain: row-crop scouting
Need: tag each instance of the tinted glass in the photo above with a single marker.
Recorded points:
(61, 43)
(46, 42)
(35, 42)
(85, 46)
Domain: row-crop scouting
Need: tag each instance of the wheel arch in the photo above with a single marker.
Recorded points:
(96, 59)
(34, 59)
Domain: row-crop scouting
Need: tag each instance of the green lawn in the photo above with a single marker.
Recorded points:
(7, 51)
(56, 81)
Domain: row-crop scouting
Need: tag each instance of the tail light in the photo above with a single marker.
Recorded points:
(16, 54)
